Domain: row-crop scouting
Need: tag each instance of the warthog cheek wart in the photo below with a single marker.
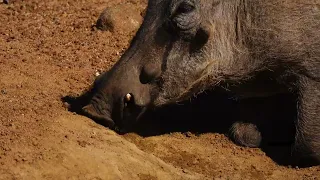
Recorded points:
(149, 72)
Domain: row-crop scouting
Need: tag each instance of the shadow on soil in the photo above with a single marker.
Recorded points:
(215, 112)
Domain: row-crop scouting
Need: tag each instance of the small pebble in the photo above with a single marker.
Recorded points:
(3, 91)
(188, 134)
(122, 17)
(66, 105)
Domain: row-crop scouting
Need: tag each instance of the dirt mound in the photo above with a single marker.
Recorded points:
(50, 49)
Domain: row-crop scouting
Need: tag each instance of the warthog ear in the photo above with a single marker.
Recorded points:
(101, 117)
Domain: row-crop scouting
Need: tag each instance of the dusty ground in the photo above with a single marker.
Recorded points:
(50, 49)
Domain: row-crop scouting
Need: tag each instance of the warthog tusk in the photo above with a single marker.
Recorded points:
(128, 97)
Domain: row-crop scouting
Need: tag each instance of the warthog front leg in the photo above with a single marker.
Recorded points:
(307, 142)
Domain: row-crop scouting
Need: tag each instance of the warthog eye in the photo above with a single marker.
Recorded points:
(185, 7)
(185, 19)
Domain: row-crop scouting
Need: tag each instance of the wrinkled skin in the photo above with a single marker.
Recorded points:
(249, 47)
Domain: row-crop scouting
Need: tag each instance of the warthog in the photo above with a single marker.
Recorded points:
(250, 47)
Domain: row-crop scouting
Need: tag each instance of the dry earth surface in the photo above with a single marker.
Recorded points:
(50, 49)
